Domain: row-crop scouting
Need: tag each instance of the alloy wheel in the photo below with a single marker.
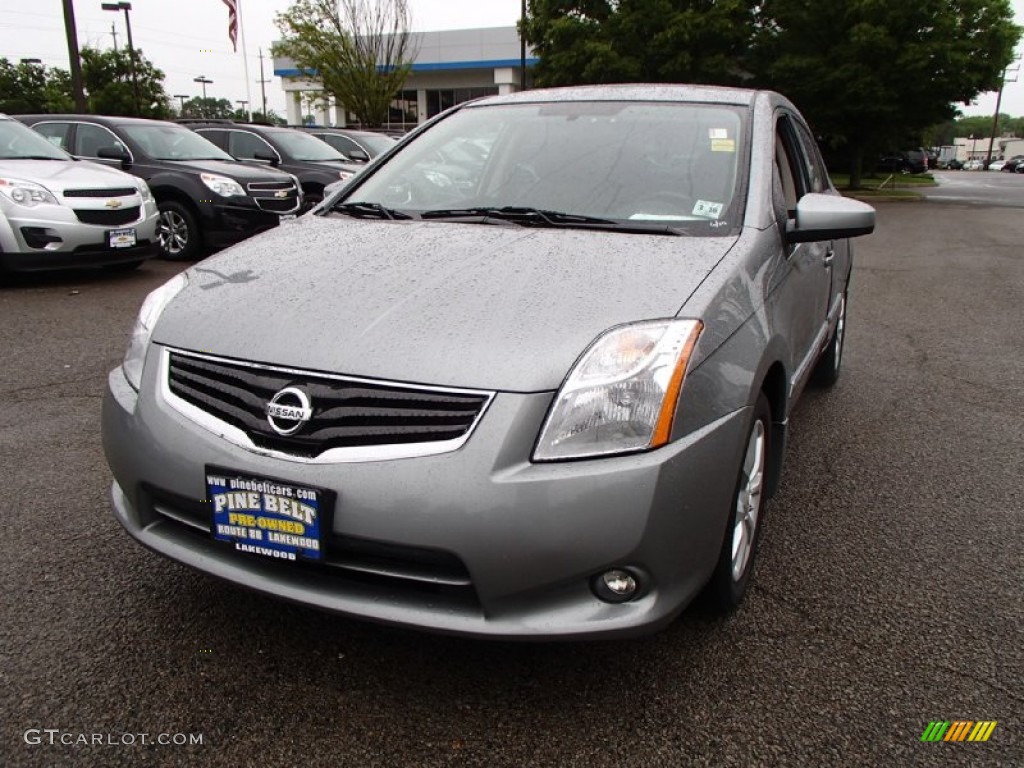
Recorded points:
(748, 501)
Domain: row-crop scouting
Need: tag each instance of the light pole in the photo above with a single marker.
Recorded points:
(126, 7)
(244, 104)
(181, 97)
(974, 143)
(74, 59)
(522, 47)
(205, 82)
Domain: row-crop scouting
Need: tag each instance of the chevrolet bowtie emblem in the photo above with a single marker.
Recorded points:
(281, 193)
(113, 204)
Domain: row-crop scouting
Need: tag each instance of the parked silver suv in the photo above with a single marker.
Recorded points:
(58, 212)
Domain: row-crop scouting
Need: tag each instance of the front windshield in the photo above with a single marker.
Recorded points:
(377, 143)
(172, 142)
(635, 163)
(19, 142)
(303, 146)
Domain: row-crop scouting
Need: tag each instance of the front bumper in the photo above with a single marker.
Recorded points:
(73, 243)
(528, 538)
(225, 224)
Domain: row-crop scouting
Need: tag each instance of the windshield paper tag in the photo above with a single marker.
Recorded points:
(707, 210)
(718, 133)
(723, 145)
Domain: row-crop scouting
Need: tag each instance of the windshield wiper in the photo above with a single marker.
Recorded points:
(369, 211)
(517, 214)
(544, 218)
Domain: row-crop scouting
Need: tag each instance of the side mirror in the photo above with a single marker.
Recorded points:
(113, 153)
(358, 156)
(265, 157)
(829, 217)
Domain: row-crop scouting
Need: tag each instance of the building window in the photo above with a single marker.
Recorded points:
(440, 100)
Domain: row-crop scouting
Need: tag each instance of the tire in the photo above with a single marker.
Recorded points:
(731, 576)
(178, 232)
(826, 370)
(311, 199)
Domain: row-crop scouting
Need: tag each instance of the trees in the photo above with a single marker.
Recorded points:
(868, 74)
(208, 108)
(106, 76)
(612, 41)
(359, 50)
(27, 88)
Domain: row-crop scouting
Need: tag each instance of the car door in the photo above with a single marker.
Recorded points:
(90, 138)
(800, 304)
(837, 256)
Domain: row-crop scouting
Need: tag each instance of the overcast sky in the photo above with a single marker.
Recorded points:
(188, 38)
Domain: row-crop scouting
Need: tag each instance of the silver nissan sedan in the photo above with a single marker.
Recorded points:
(539, 389)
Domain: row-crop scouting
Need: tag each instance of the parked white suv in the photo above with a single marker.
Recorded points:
(58, 212)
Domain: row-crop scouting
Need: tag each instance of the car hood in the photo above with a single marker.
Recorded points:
(450, 304)
(234, 170)
(58, 175)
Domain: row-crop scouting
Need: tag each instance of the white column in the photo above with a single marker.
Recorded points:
(340, 120)
(421, 105)
(294, 107)
(507, 80)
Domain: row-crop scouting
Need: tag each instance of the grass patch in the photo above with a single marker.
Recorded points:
(886, 183)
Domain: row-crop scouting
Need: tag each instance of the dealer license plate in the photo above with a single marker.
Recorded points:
(122, 238)
(266, 517)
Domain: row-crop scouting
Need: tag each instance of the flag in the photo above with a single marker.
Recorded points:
(232, 22)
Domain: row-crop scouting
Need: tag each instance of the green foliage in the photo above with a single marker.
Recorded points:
(359, 50)
(107, 79)
(208, 108)
(869, 73)
(33, 88)
(609, 41)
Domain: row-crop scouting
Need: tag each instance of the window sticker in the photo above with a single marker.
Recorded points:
(723, 145)
(718, 133)
(707, 209)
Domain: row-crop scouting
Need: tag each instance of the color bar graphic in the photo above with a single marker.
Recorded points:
(958, 730)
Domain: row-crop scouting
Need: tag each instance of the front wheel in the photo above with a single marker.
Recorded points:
(729, 581)
(178, 231)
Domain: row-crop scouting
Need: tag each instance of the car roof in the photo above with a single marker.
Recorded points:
(101, 119)
(706, 94)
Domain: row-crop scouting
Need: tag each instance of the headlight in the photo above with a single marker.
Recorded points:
(144, 190)
(154, 304)
(222, 185)
(26, 193)
(621, 395)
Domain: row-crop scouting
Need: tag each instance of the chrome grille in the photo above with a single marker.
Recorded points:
(269, 186)
(347, 413)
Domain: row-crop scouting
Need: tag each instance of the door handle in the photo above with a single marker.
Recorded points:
(830, 255)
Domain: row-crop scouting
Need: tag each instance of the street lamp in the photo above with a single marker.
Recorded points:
(182, 97)
(205, 82)
(126, 7)
(244, 104)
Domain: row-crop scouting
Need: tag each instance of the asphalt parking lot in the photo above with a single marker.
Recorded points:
(888, 592)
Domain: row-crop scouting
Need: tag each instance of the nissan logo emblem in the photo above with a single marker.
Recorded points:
(288, 410)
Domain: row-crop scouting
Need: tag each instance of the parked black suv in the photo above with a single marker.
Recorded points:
(314, 163)
(357, 146)
(910, 161)
(206, 197)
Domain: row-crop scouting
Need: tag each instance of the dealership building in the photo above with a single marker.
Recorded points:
(450, 67)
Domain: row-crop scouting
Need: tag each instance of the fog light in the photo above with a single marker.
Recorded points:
(616, 586)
